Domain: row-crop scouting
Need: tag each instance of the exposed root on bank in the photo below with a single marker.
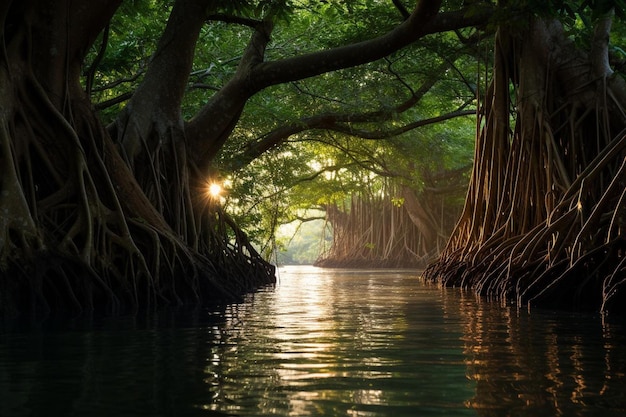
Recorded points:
(391, 227)
(545, 216)
(77, 233)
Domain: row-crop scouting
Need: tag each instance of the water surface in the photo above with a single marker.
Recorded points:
(322, 342)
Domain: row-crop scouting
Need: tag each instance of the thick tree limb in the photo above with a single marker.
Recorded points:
(423, 21)
(336, 123)
(210, 128)
(203, 131)
(157, 101)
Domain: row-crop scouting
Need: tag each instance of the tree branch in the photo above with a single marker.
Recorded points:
(210, 128)
(91, 71)
(386, 134)
(113, 101)
(403, 11)
(423, 21)
(336, 123)
(366, 162)
(117, 82)
(204, 133)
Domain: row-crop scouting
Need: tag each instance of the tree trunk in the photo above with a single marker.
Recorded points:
(78, 232)
(545, 212)
(116, 219)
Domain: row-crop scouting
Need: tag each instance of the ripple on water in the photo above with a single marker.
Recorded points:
(322, 342)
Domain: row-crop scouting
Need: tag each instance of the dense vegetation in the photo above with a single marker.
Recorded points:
(545, 215)
(118, 118)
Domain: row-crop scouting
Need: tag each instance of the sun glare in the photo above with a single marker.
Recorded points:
(214, 190)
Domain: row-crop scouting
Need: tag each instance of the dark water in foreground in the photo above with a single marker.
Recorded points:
(323, 342)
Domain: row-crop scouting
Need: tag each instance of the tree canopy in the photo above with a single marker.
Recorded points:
(117, 116)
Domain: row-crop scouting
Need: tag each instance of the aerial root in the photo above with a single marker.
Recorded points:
(545, 216)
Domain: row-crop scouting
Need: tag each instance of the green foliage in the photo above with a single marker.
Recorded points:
(259, 9)
(301, 244)
(316, 167)
(134, 32)
(397, 201)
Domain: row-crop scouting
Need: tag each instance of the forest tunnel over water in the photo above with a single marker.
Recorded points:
(484, 142)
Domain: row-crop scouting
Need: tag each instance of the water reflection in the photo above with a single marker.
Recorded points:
(345, 343)
(323, 342)
(543, 363)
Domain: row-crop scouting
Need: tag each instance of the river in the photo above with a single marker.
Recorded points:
(322, 342)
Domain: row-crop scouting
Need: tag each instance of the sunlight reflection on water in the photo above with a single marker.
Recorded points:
(322, 342)
(352, 343)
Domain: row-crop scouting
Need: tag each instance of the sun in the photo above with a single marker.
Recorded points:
(214, 190)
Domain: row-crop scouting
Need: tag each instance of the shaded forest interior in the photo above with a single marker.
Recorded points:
(393, 228)
(545, 215)
(116, 119)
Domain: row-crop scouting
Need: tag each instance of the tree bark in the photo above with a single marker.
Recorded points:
(112, 219)
(208, 130)
(535, 227)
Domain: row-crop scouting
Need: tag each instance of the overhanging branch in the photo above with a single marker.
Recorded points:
(206, 139)
(334, 122)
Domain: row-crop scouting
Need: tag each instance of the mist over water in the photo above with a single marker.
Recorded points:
(322, 342)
